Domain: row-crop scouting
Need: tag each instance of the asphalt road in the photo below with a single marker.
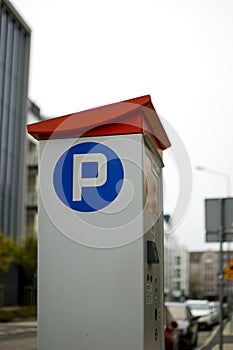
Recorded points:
(29, 342)
(18, 335)
(20, 342)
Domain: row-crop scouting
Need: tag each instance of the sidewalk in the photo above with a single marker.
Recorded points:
(227, 336)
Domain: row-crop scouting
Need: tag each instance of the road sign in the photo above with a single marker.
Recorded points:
(228, 214)
(217, 210)
(228, 272)
(88, 176)
(212, 215)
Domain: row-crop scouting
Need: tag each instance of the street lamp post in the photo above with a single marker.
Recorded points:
(218, 173)
(221, 272)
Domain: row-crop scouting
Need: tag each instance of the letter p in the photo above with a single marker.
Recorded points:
(89, 170)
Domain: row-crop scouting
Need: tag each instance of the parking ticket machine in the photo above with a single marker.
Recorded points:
(100, 283)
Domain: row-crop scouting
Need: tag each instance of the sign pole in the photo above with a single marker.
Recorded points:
(219, 218)
(221, 273)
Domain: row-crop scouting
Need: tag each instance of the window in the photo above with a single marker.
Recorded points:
(177, 260)
(209, 277)
(208, 266)
(209, 288)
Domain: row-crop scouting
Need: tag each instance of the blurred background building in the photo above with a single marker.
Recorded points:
(204, 275)
(15, 37)
(176, 265)
(33, 116)
(14, 69)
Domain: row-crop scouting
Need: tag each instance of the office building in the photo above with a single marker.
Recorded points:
(14, 69)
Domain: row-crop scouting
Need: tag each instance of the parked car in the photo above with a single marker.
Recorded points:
(225, 310)
(187, 324)
(215, 311)
(201, 308)
(217, 305)
(170, 331)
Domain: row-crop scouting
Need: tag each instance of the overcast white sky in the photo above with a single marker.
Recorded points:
(90, 53)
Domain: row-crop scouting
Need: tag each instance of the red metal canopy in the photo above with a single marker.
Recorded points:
(132, 116)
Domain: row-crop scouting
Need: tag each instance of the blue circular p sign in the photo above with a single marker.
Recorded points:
(88, 176)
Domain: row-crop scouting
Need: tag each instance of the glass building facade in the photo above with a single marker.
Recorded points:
(14, 69)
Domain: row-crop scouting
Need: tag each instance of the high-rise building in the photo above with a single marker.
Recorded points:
(14, 69)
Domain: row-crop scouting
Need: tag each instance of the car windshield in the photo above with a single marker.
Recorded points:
(198, 306)
(178, 312)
